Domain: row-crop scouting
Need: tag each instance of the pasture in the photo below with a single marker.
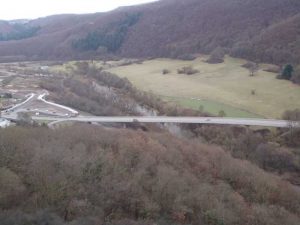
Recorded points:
(226, 86)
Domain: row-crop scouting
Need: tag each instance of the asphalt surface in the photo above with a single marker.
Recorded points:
(12, 113)
(183, 120)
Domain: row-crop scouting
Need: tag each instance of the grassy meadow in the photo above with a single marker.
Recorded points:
(226, 86)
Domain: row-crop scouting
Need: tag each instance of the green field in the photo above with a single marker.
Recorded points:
(225, 86)
(209, 106)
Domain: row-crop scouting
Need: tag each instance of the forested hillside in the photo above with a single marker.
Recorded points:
(88, 175)
(16, 31)
(265, 31)
(140, 174)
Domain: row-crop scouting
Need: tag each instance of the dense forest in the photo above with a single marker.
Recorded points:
(19, 32)
(109, 39)
(87, 174)
(262, 31)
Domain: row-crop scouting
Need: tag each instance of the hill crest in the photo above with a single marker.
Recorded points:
(266, 31)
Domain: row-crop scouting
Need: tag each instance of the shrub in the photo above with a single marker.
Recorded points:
(188, 70)
(296, 75)
(165, 71)
(221, 113)
(217, 56)
(293, 115)
(287, 72)
(187, 57)
(82, 67)
(272, 69)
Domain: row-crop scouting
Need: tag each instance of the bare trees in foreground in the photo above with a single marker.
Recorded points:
(91, 175)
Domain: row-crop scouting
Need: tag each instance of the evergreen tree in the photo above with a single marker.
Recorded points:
(287, 72)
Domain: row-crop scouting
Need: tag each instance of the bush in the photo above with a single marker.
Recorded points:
(272, 69)
(296, 75)
(222, 113)
(188, 70)
(187, 57)
(217, 56)
(165, 71)
(292, 115)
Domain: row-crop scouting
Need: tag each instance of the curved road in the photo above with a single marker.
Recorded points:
(183, 120)
(12, 113)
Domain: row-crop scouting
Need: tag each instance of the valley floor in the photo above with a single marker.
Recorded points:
(226, 86)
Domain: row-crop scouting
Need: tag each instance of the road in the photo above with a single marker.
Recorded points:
(12, 115)
(31, 96)
(42, 98)
(182, 120)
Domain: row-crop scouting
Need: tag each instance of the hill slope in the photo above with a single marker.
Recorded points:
(123, 177)
(262, 30)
